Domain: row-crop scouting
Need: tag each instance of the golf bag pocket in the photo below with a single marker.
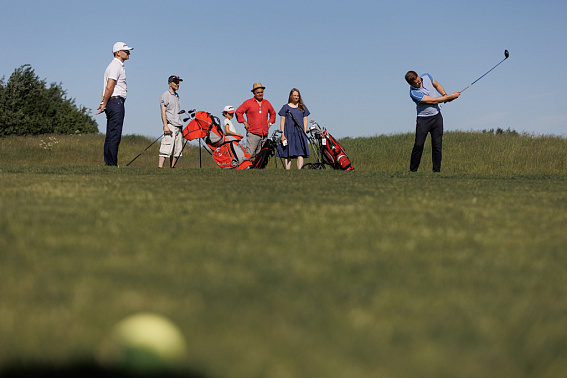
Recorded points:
(215, 136)
(332, 152)
(268, 150)
(198, 126)
(193, 131)
(232, 156)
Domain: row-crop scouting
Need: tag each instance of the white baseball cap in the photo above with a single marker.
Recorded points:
(120, 46)
(229, 109)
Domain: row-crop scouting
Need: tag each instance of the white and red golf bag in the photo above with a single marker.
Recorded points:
(227, 152)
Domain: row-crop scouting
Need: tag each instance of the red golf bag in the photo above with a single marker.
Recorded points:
(225, 149)
(332, 152)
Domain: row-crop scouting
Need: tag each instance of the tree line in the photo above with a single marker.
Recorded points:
(29, 107)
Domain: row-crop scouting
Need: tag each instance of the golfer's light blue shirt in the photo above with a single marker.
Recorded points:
(416, 94)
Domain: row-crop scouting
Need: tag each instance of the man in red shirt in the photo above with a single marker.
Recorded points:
(260, 115)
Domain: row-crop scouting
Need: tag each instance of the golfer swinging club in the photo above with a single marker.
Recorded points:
(429, 118)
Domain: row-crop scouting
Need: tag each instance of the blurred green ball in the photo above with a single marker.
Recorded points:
(144, 342)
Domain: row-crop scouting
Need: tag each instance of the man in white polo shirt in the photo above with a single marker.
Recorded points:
(113, 98)
(172, 141)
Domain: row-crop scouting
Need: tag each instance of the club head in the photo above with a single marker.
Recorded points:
(506, 54)
(192, 111)
(186, 119)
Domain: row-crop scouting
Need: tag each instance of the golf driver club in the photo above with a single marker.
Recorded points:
(190, 113)
(506, 55)
(312, 131)
(275, 135)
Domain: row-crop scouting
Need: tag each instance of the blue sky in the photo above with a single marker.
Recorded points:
(348, 58)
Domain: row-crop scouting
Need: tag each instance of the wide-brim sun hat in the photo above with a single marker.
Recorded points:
(257, 86)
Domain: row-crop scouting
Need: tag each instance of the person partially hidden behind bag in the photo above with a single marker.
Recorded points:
(229, 129)
(260, 115)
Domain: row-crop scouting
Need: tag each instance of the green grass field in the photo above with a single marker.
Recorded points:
(370, 273)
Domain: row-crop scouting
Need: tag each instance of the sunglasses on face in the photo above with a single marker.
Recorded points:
(126, 51)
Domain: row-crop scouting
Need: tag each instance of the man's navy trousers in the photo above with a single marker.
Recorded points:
(425, 125)
(114, 121)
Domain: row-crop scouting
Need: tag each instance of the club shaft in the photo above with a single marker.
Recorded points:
(484, 74)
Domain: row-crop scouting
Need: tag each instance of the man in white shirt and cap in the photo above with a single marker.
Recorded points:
(113, 98)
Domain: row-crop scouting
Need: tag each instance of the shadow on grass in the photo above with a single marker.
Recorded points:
(89, 369)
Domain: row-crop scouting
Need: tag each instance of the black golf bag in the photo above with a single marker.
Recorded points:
(268, 150)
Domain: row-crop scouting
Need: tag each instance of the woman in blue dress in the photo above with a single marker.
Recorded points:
(294, 142)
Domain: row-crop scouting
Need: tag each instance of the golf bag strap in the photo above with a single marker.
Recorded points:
(295, 121)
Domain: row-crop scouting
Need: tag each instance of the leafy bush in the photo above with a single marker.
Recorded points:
(29, 107)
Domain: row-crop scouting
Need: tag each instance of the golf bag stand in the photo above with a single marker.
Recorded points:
(315, 148)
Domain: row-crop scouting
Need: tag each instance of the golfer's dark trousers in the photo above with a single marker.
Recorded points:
(425, 125)
(114, 121)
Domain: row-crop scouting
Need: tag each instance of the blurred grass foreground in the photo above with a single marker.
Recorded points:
(371, 273)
